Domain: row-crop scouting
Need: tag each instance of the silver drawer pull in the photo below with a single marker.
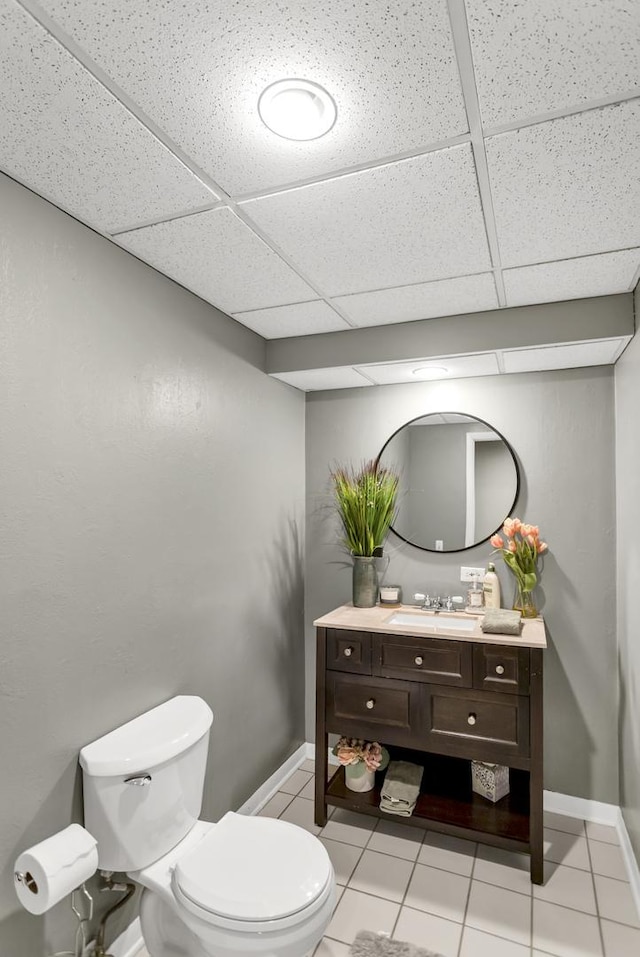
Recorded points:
(348, 652)
(499, 669)
(419, 659)
(471, 719)
(139, 780)
(370, 703)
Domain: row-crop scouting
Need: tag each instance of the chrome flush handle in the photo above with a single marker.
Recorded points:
(139, 780)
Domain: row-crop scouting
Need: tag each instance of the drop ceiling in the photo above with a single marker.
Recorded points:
(485, 158)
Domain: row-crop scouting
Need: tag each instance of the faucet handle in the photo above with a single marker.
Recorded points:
(453, 600)
(425, 599)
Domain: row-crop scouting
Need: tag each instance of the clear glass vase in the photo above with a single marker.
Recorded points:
(524, 602)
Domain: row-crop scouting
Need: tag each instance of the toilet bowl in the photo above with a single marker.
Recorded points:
(243, 887)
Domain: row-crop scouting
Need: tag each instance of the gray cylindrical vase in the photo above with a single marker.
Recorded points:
(365, 581)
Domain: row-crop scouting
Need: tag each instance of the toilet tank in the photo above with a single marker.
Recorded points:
(143, 783)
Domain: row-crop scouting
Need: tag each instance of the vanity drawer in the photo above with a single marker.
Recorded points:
(469, 723)
(349, 651)
(501, 668)
(377, 708)
(433, 660)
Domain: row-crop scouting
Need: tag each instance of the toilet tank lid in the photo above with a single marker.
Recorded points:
(150, 739)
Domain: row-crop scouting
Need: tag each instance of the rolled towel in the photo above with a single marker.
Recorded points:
(401, 788)
(501, 621)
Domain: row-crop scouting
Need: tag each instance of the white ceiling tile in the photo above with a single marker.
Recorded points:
(571, 278)
(65, 136)
(458, 367)
(198, 67)
(446, 297)
(569, 187)
(574, 356)
(299, 319)
(531, 58)
(319, 380)
(220, 259)
(411, 221)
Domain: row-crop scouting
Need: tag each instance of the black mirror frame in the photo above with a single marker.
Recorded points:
(452, 551)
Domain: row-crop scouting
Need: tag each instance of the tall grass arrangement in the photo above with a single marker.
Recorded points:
(365, 499)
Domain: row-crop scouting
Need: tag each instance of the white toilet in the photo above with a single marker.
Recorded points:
(243, 886)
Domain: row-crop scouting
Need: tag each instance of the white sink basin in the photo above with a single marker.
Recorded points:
(431, 622)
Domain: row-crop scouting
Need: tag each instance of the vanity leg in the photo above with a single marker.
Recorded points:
(536, 779)
(321, 730)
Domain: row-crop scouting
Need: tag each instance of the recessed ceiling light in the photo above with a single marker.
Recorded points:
(297, 109)
(430, 372)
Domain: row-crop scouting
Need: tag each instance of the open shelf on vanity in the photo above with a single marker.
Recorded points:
(446, 802)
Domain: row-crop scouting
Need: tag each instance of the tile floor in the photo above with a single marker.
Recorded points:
(463, 899)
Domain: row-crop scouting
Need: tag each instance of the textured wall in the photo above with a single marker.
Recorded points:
(561, 426)
(628, 565)
(152, 493)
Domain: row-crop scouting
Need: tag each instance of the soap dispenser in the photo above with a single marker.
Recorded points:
(474, 597)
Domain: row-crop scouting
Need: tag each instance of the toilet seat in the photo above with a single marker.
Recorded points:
(253, 871)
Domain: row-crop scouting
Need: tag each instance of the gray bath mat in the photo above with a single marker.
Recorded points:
(368, 944)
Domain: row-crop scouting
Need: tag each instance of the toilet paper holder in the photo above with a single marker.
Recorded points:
(80, 896)
(27, 880)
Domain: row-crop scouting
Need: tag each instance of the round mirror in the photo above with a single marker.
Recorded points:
(459, 480)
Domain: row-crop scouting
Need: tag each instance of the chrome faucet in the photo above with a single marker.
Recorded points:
(437, 604)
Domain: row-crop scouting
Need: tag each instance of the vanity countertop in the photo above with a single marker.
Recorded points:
(377, 619)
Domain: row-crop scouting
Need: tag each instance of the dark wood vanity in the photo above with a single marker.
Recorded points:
(439, 701)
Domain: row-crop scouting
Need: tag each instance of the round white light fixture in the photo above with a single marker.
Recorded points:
(297, 109)
(430, 372)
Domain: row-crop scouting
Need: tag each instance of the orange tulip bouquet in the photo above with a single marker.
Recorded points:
(520, 549)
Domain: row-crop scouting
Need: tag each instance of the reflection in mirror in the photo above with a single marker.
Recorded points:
(458, 481)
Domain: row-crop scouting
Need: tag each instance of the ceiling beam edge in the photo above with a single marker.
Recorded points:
(576, 320)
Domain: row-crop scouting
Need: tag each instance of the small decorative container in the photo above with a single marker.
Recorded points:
(357, 777)
(390, 594)
(490, 780)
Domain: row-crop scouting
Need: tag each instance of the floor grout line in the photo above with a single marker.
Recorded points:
(473, 876)
(595, 897)
(466, 905)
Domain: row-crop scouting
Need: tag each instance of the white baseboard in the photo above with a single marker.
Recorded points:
(129, 943)
(598, 813)
(633, 866)
(311, 753)
(593, 811)
(266, 791)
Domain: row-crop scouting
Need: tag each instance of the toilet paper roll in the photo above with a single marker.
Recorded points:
(48, 871)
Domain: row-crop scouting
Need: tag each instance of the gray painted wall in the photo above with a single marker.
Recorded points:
(152, 491)
(627, 378)
(561, 426)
